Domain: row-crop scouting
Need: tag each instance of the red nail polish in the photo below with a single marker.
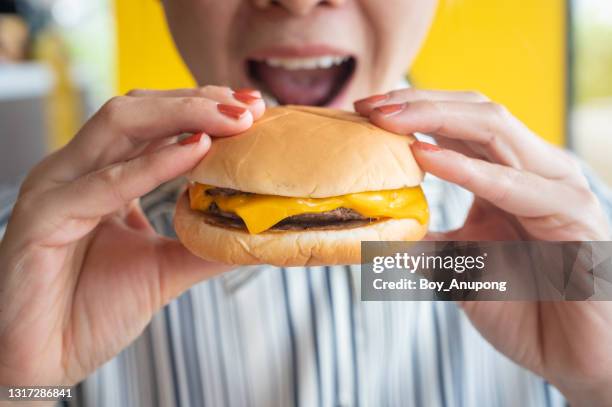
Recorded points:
(431, 148)
(390, 109)
(247, 91)
(194, 138)
(373, 99)
(246, 98)
(235, 112)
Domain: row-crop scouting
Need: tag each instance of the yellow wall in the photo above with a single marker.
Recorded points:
(511, 50)
(147, 57)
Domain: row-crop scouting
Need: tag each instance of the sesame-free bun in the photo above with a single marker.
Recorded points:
(285, 248)
(301, 151)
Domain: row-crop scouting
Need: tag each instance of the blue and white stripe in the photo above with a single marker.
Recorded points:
(265, 336)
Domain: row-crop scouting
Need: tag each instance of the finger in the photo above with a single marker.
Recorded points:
(108, 190)
(53, 170)
(487, 127)
(157, 145)
(367, 105)
(454, 120)
(249, 98)
(518, 192)
(179, 269)
(135, 217)
(461, 147)
(482, 222)
(125, 123)
(209, 91)
(150, 147)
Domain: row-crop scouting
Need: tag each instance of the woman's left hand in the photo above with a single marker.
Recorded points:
(524, 189)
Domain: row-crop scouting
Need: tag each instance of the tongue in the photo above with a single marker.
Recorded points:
(300, 87)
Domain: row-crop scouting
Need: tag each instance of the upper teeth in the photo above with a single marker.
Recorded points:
(306, 63)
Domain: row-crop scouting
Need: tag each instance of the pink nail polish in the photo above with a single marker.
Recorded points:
(373, 99)
(193, 139)
(389, 110)
(248, 91)
(234, 112)
(428, 147)
(246, 98)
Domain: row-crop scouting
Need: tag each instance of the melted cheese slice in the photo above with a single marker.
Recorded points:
(261, 212)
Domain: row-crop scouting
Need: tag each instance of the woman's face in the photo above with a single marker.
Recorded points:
(310, 52)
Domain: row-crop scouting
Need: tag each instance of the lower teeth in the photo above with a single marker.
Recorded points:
(269, 99)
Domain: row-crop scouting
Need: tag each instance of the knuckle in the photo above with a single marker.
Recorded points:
(466, 175)
(433, 114)
(507, 183)
(149, 163)
(426, 106)
(112, 109)
(191, 103)
(150, 170)
(203, 91)
(431, 107)
(110, 178)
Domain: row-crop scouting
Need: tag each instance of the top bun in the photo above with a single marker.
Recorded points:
(301, 151)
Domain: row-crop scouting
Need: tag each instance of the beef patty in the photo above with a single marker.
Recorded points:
(341, 218)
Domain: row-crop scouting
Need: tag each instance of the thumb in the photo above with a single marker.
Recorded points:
(179, 269)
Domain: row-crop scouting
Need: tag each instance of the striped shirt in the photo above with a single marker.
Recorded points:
(266, 336)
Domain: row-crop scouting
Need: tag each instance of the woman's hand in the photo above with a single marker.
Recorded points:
(524, 189)
(81, 269)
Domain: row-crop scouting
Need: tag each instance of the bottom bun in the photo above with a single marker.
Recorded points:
(285, 248)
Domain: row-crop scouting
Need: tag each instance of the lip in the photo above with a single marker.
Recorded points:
(306, 51)
(302, 51)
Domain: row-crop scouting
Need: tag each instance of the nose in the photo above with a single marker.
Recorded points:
(297, 7)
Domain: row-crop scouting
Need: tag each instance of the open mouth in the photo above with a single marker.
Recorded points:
(314, 81)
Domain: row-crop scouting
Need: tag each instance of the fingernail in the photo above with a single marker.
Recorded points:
(373, 99)
(246, 98)
(234, 112)
(431, 148)
(389, 110)
(248, 91)
(194, 138)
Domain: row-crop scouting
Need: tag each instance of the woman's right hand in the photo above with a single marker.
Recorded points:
(81, 269)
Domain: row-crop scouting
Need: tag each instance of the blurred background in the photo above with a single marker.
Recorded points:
(550, 62)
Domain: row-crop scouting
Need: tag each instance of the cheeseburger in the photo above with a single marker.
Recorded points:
(302, 186)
